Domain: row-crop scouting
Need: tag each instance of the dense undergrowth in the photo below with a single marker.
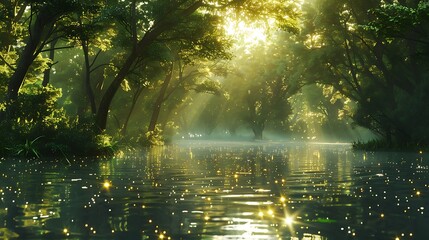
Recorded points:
(33, 126)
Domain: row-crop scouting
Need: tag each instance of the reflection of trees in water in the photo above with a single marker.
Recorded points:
(179, 190)
(33, 197)
(153, 165)
(200, 191)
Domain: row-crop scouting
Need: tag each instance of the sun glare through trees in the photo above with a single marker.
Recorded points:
(247, 34)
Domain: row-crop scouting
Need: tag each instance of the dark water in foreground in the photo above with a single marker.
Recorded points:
(207, 190)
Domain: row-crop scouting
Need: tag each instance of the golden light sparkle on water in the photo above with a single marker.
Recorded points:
(66, 232)
(252, 208)
(289, 221)
(107, 184)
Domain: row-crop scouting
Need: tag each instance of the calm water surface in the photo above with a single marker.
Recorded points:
(213, 190)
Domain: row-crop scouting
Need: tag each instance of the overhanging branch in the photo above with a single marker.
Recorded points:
(7, 64)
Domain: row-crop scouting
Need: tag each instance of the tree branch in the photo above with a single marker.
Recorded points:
(101, 65)
(7, 64)
(20, 13)
(95, 58)
(58, 48)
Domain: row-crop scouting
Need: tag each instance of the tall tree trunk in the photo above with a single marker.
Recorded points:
(106, 100)
(47, 72)
(141, 49)
(25, 60)
(257, 131)
(133, 104)
(158, 103)
(87, 78)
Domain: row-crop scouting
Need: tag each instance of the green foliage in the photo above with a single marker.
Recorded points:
(383, 145)
(143, 36)
(152, 138)
(11, 31)
(396, 20)
(261, 84)
(54, 8)
(375, 55)
(7, 61)
(80, 138)
(320, 113)
(36, 114)
(199, 37)
(285, 13)
(89, 25)
(170, 130)
(35, 111)
(28, 149)
(105, 143)
(33, 115)
(369, 59)
(207, 86)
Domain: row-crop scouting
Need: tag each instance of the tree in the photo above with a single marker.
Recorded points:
(140, 50)
(320, 112)
(43, 17)
(198, 43)
(262, 83)
(11, 13)
(348, 49)
(168, 16)
(89, 29)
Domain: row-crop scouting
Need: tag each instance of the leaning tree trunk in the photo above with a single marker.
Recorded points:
(25, 60)
(140, 50)
(158, 103)
(106, 100)
(130, 112)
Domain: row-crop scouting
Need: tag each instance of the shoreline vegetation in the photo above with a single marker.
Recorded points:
(76, 144)
(37, 127)
(382, 145)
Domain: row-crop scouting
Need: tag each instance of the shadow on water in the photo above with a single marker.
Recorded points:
(219, 190)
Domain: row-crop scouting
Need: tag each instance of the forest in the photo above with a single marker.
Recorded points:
(92, 77)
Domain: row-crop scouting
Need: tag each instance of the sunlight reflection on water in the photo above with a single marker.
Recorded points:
(220, 190)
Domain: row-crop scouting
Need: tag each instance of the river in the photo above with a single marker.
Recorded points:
(219, 190)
